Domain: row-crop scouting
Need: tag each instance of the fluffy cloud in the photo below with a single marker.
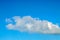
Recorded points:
(29, 24)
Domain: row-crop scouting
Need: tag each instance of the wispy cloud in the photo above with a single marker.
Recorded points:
(29, 24)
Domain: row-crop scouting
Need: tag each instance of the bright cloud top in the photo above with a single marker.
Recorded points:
(29, 24)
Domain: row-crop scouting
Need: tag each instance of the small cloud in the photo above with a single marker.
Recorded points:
(30, 24)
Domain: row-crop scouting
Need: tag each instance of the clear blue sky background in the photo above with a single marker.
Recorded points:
(43, 9)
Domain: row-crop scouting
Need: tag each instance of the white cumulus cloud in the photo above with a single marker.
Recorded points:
(30, 24)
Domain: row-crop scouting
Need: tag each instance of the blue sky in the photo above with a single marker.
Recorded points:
(43, 9)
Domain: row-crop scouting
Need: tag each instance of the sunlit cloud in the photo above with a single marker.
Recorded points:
(30, 24)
